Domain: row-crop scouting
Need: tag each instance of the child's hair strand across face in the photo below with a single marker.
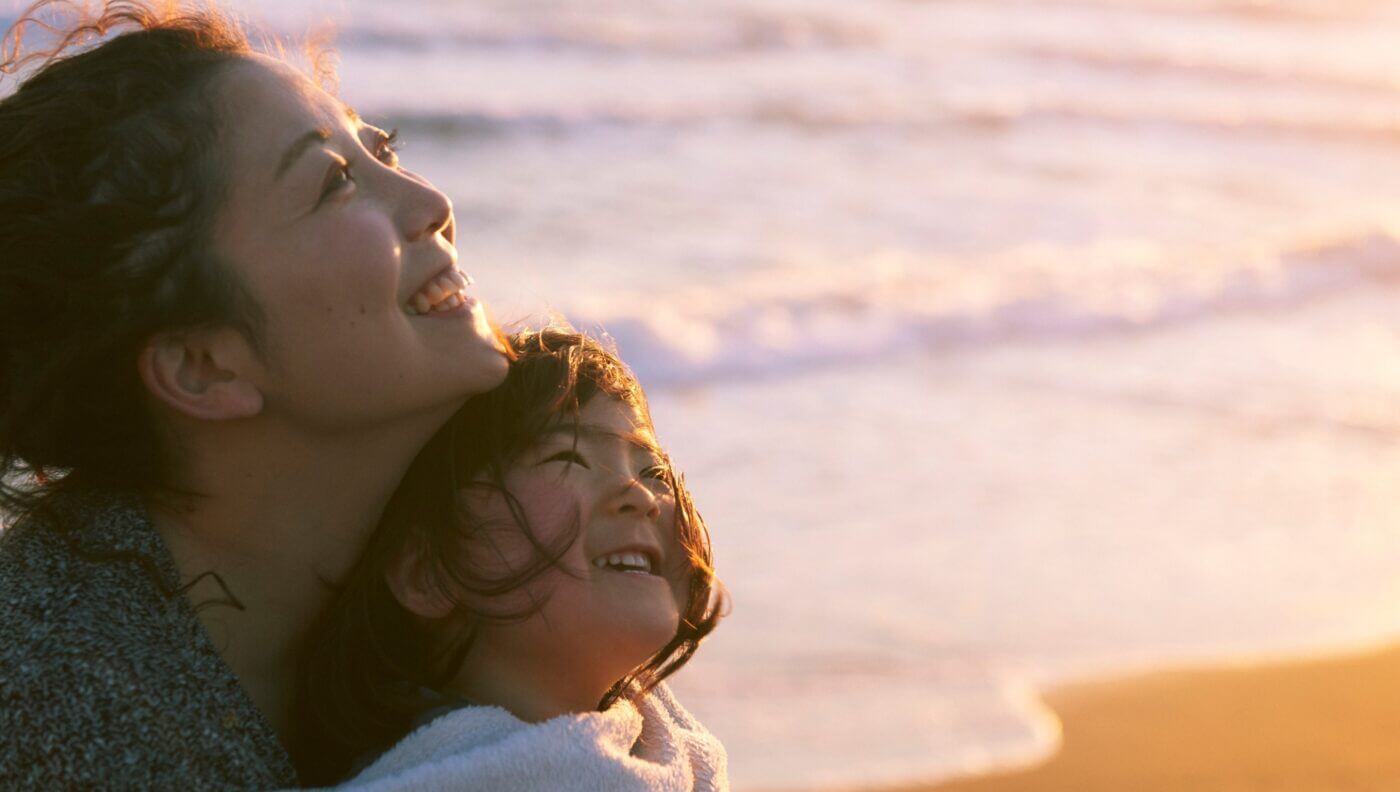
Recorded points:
(373, 657)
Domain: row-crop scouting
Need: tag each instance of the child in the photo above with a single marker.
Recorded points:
(538, 573)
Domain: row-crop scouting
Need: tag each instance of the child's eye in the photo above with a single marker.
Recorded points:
(570, 457)
(658, 473)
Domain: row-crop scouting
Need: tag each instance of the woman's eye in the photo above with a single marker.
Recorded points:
(570, 457)
(387, 148)
(337, 179)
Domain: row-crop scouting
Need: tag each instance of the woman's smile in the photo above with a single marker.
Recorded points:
(341, 286)
(444, 292)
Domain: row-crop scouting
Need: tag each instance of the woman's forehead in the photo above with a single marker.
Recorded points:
(268, 104)
(262, 83)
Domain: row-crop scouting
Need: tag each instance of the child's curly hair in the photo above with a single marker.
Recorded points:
(369, 659)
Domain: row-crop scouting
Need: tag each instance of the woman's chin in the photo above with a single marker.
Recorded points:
(490, 367)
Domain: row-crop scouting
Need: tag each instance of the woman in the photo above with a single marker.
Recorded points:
(228, 321)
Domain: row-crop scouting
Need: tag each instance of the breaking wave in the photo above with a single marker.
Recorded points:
(781, 322)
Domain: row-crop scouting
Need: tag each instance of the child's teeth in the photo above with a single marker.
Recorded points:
(420, 301)
(636, 563)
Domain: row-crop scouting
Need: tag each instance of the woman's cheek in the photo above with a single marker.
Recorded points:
(363, 249)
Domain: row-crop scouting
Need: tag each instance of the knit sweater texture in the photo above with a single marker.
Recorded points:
(108, 679)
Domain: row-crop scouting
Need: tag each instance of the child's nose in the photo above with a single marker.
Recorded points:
(636, 499)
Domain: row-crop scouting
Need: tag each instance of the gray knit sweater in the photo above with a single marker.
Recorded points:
(107, 678)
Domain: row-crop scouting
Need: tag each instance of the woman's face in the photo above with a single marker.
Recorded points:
(343, 250)
(615, 597)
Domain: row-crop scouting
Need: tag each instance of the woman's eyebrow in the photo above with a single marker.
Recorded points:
(306, 141)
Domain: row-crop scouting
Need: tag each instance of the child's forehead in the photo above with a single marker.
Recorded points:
(605, 418)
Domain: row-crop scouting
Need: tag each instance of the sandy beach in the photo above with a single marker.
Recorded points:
(1304, 726)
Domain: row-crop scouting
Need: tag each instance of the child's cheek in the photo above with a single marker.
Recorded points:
(550, 507)
(678, 565)
(497, 546)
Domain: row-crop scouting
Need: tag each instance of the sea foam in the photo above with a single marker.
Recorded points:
(778, 321)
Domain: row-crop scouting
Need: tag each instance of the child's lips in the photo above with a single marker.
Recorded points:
(631, 577)
(643, 557)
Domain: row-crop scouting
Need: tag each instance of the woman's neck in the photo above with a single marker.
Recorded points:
(278, 519)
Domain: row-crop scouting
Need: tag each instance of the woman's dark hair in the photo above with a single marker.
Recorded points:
(109, 180)
(370, 658)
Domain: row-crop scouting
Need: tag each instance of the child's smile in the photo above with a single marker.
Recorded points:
(615, 596)
(632, 560)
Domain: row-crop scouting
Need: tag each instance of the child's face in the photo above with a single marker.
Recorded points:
(601, 620)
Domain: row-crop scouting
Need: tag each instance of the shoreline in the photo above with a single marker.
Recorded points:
(1312, 724)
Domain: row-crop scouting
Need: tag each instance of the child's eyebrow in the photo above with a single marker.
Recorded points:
(640, 436)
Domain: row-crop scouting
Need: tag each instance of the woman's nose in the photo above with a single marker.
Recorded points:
(424, 210)
(636, 499)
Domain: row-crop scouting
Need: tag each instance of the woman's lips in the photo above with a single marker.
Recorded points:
(465, 304)
(444, 293)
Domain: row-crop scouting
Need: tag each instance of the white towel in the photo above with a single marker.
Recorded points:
(652, 746)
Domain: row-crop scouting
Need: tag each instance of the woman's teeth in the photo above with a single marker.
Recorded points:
(626, 562)
(442, 293)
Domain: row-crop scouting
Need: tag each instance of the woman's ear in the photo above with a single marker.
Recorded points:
(415, 589)
(204, 374)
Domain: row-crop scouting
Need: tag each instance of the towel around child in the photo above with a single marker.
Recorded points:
(653, 745)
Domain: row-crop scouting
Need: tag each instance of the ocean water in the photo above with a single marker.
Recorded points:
(1003, 342)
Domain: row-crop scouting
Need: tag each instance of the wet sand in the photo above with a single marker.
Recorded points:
(1303, 726)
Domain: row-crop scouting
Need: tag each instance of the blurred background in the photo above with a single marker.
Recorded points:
(1003, 342)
